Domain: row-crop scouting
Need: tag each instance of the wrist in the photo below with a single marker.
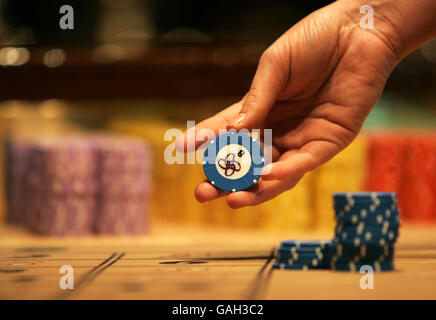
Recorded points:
(404, 25)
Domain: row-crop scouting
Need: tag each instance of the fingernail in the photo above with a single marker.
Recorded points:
(191, 139)
(180, 143)
(266, 170)
(189, 135)
(237, 121)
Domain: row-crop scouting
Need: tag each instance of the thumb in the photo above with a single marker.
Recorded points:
(270, 79)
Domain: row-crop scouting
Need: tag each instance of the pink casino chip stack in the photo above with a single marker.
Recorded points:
(124, 180)
(79, 185)
(62, 187)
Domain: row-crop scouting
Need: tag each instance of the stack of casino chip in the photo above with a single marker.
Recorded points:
(124, 185)
(418, 178)
(17, 154)
(365, 234)
(303, 255)
(69, 186)
(366, 231)
(61, 187)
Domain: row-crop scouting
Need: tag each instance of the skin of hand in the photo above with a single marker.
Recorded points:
(314, 87)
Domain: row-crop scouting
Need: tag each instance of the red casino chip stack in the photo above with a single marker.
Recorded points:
(405, 163)
(418, 189)
(385, 161)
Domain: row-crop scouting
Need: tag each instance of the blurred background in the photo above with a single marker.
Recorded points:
(130, 70)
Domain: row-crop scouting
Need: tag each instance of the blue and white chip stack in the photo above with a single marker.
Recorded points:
(366, 231)
(303, 255)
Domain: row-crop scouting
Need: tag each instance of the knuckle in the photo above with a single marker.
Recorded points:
(267, 56)
(250, 101)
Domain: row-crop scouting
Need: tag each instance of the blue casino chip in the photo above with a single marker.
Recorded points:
(283, 265)
(233, 161)
(364, 196)
(367, 227)
(307, 243)
(375, 266)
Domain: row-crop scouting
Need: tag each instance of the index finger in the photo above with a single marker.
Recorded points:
(215, 123)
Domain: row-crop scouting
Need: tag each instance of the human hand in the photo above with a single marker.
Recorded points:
(314, 87)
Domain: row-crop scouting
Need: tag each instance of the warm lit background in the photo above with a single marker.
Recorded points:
(141, 67)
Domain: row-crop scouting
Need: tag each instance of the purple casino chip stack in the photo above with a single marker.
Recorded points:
(62, 186)
(124, 185)
(122, 217)
(17, 153)
(62, 215)
(79, 185)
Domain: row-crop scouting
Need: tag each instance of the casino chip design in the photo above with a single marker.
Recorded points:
(233, 161)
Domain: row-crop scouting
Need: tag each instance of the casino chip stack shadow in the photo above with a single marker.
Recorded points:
(367, 227)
